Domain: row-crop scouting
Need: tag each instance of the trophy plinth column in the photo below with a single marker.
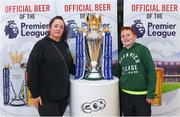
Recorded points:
(94, 97)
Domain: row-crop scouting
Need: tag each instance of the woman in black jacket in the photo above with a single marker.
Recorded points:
(49, 66)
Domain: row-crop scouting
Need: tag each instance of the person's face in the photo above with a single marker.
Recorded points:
(56, 29)
(127, 38)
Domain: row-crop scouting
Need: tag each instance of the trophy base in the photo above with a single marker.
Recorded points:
(17, 102)
(93, 76)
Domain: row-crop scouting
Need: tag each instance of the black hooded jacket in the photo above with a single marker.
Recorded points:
(48, 70)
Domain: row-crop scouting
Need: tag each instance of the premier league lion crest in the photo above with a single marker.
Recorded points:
(138, 28)
(11, 29)
(72, 26)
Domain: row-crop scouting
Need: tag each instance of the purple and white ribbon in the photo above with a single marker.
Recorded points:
(80, 56)
(107, 56)
(6, 86)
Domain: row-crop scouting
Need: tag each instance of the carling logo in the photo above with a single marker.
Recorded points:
(94, 106)
(138, 28)
(11, 30)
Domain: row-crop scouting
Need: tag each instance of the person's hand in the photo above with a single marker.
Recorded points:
(149, 101)
(37, 102)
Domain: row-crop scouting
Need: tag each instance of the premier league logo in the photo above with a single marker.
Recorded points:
(72, 26)
(11, 29)
(138, 28)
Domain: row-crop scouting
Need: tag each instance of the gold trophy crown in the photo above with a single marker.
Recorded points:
(93, 20)
(16, 57)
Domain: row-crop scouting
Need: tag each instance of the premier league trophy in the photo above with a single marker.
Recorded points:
(94, 50)
(93, 80)
(16, 80)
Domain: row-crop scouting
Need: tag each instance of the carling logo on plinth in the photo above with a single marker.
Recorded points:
(138, 28)
(11, 30)
(94, 106)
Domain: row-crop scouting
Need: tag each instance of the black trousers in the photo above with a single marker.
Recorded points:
(52, 108)
(134, 105)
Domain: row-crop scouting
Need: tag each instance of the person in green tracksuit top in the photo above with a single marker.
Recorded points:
(138, 76)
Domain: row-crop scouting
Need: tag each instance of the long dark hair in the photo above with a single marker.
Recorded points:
(64, 35)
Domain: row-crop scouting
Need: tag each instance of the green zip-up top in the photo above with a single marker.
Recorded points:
(138, 70)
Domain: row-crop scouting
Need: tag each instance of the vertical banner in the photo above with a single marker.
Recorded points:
(23, 23)
(75, 13)
(157, 24)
